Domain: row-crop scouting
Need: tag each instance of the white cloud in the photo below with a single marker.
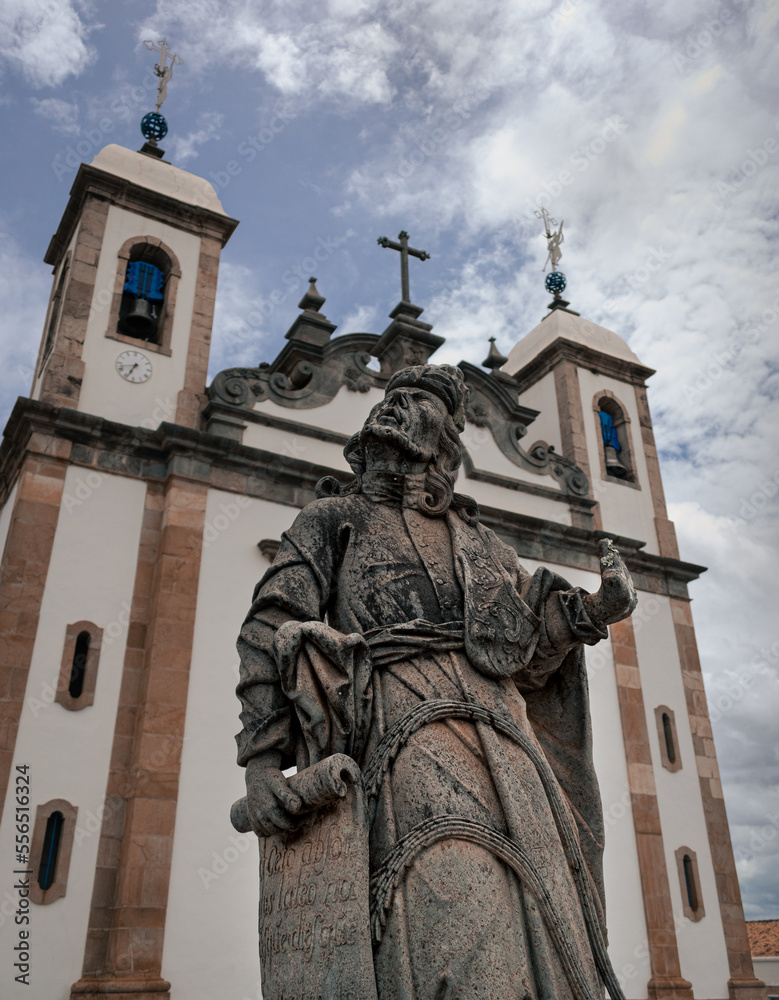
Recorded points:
(46, 39)
(344, 55)
(240, 328)
(209, 127)
(24, 292)
(62, 114)
(359, 320)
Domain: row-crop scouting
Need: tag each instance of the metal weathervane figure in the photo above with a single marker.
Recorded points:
(162, 69)
(555, 280)
(153, 125)
(553, 239)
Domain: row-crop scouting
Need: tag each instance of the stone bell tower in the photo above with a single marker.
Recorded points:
(101, 527)
(135, 261)
(591, 389)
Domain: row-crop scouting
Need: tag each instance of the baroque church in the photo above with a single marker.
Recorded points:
(140, 506)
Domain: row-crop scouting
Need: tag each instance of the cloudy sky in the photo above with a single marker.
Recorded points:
(653, 130)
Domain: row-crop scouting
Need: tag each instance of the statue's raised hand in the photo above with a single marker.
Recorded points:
(617, 596)
(272, 805)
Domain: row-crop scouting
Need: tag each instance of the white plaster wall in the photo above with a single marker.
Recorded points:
(211, 931)
(542, 396)
(486, 455)
(287, 444)
(104, 392)
(702, 953)
(502, 498)
(345, 413)
(343, 416)
(628, 948)
(767, 969)
(626, 511)
(91, 577)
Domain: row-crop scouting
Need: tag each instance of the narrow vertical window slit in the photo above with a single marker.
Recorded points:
(79, 665)
(670, 746)
(689, 881)
(50, 851)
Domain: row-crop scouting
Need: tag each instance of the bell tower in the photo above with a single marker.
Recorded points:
(135, 259)
(591, 388)
(101, 531)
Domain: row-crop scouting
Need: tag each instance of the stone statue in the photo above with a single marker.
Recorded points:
(394, 628)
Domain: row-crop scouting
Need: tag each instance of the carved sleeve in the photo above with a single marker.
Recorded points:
(565, 623)
(296, 587)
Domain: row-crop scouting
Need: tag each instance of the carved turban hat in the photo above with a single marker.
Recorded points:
(444, 381)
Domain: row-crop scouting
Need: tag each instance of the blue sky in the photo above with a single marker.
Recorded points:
(653, 131)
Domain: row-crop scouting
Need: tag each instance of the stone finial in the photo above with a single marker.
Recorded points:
(311, 326)
(312, 300)
(494, 359)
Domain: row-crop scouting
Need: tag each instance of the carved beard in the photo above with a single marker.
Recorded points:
(390, 432)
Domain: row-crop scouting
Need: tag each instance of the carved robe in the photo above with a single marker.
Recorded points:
(456, 680)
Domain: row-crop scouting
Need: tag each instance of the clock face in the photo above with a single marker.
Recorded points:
(133, 366)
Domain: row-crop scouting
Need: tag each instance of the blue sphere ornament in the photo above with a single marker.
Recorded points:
(555, 282)
(154, 126)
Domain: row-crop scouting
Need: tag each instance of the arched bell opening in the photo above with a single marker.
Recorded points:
(614, 438)
(143, 302)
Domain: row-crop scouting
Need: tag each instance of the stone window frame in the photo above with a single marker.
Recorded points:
(668, 764)
(87, 697)
(54, 312)
(697, 912)
(59, 886)
(165, 333)
(619, 414)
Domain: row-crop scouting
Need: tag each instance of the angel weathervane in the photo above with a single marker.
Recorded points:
(555, 280)
(153, 125)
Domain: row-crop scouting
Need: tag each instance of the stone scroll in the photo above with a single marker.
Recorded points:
(315, 941)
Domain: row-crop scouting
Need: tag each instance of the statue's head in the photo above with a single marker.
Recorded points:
(443, 381)
(420, 418)
(421, 406)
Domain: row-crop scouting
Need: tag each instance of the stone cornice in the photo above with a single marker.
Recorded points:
(134, 197)
(548, 541)
(280, 423)
(551, 467)
(112, 447)
(210, 460)
(562, 349)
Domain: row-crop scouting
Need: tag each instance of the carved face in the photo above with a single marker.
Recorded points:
(409, 418)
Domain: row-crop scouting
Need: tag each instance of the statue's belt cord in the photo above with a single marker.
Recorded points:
(389, 875)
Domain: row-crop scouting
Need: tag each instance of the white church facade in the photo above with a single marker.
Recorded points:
(139, 508)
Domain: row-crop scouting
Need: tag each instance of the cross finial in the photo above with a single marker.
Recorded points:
(553, 239)
(163, 71)
(405, 252)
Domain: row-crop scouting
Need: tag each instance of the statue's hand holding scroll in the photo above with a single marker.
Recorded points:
(617, 596)
(273, 806)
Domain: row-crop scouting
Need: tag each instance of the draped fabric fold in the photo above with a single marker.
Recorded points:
(327, 677)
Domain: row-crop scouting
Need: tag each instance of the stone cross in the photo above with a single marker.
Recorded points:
(163, 71)
(405, 252)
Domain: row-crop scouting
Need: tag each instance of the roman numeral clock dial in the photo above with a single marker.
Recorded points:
(133, 366)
